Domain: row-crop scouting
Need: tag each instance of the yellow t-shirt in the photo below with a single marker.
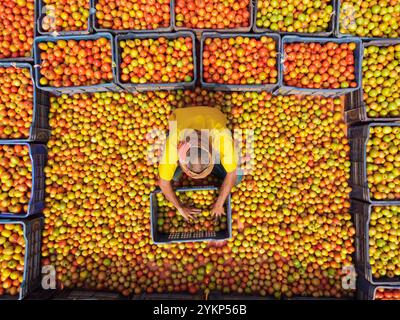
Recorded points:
(197, 118)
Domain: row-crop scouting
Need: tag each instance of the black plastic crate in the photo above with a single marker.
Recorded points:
(109, 86)
(97, 28)
(367, 291)
(163, 238)
(288, 90)
(239, 87)
(357, 111)
(239, 29)
(358, 138)
(362, 216)
(38, 155)
(327, 33)
(137, 87)
(40, 13)
(32, 274)
(39, 130)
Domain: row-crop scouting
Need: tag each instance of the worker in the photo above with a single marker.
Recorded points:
(198, 144)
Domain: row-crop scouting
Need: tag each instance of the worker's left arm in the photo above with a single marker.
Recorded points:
(223, 142)
(229, 182)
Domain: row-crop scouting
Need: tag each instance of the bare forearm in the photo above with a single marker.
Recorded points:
(169, 193)
(226, 188)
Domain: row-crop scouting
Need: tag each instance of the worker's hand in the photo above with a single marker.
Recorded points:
(217, 211)
(189, 213)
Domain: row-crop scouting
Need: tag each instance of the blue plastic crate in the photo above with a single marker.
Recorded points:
(239, 87)
(338, 34)
(111, 86)
(32, 229)
(39, 130)
(240, 29)
(357, 111)
(39, 12)
(326, 33)
(97, 28)
(286, 90)
(358, 138)
(38, 155)
(361, 211)
(137, 87)
(164, 238)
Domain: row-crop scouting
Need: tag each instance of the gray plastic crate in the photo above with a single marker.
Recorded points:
(39, 12)
(137, 87)
(367, 291)
(38, 155)
(32, 233)
(239, 87)
(358, 137)
(97, 28)
(163, 238)
(362, 216)
(39, 130)
(337, 32)
(110, 86)
(287, 90)
(240, 29)
(327, 33)
(357, 112)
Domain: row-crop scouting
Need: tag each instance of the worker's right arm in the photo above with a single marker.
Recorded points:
(166, 169)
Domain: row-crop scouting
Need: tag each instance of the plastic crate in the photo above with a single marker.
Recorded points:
(358, 111)
(39, 130)
(238, 87)
(199, 31)
(97, 28)
(362, 216)
(38, 155)
(39, 12)
(338, 34)
(162, 238)
(110, 86)
(327, 33)
(367, 291)
(137, 87)
(286, 90)
(32, 229)
(358, 137)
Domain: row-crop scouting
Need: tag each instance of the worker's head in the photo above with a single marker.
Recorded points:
(195, 158)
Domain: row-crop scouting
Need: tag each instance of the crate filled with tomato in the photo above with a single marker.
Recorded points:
(133, 15)
(17, 30)
(156, 61)
(168, 225)
(20, 242)
(72, 64)
(239, 62)
(320, 66)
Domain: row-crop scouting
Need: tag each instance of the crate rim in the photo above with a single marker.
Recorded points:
(357, 52)
(94, 36)
(114, 31)
(232, 87)
(8, 215)
(154, 86)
